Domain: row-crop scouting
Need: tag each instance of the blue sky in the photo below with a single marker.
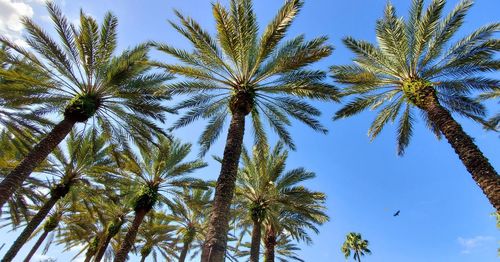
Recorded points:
(444, 215)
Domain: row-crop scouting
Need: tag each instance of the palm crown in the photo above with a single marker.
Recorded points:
(238, 71)
(411, 55)
(355, 243)
(82, 77)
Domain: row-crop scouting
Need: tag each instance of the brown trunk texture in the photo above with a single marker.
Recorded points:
(214, 248)
(129, 239)
(473, 159)
(36, 246)
(30, 228)
(270, 244)
(16, 177)
(143, 258)
(255, 245)
(184, 252)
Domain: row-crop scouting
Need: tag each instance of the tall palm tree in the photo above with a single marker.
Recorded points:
(87, 83)
(160, 172)
(355, 243)
(189, 216)
(156, 236)
(267, 192)
(88, 157)
(410, 71)
(237, 73)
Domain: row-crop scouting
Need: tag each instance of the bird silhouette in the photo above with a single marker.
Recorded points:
(396, 214)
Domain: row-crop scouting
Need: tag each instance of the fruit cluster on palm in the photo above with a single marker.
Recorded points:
(121, 184)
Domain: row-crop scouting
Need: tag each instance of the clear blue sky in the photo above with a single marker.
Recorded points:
(444, 215)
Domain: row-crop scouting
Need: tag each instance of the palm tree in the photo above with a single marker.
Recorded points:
(410, 70)
(355, 243)
(111, 94)
(51, 223)
(189, 216)
(157, 170)
(156, 235)
(88, 157)
(237, 74)
(267, 192)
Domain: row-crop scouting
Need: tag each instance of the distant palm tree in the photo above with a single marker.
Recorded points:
(236, 74)
(82, 159)
(156, 236)
(266, 192)
(86, 81)
(159, 172)
(51, 223)
(411, 71)
(355, 243)
(189, 216)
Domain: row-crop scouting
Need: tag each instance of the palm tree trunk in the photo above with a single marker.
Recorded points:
(36, 246)
(102, 247)
(255, 245)
(214, 248)
(358, 256)
(270, 244)
(473, 159)
(129, 239)
(143, 258)
(16, 177)
(184, 252)
(30, 228)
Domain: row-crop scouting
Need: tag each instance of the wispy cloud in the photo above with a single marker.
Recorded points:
(474, 243)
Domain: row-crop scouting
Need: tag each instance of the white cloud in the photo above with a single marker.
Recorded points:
(11, 13)
(40, 257)
(471, 244)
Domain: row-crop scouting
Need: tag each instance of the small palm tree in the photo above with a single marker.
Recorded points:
(355, 243)
(410, 71)
(156, 170)
(238, 74)
(88, 157)
(156, 236)
(87, 83)
(189, 216)
(266, 191)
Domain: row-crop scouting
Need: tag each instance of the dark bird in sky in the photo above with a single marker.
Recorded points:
(396, 214)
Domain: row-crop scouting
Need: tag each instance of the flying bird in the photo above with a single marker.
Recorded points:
(396, 214)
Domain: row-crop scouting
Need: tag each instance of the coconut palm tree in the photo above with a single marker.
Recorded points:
(267, 192)
(189, 216)
(160, 172)
(86, 157)
(156, 236)
(355, 243)
(236, 74)
(87, 83)
(410, 71)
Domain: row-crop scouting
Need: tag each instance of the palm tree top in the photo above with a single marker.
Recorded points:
(82, 75)
(414, 56)
(236, 70)
(355, 243)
